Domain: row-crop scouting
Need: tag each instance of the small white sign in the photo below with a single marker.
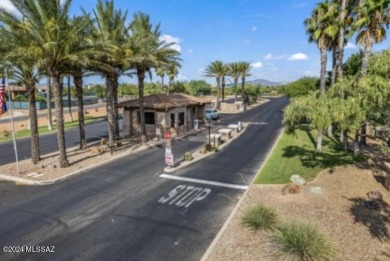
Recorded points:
(169, 159)
(158, 132)
(168, 151)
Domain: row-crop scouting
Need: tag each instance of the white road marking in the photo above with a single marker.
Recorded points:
(258, 123)
(184, 196)
(201, 181)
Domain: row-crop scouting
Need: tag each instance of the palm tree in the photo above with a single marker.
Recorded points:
(235, 73)
(160, 71)
(322, 31)
(24, 71)
(108, 28)
(147, 52)
(172, 72)
(225, 72)
(372, 19)
(215, 69)
(245, 68)
(47, 24)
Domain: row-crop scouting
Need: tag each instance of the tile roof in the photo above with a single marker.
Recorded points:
(165, 101)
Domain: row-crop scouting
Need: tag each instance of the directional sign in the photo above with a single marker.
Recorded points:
(169, 159)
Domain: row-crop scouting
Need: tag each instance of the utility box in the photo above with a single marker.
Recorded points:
(196, 124)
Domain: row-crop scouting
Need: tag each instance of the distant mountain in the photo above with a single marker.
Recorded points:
(265, 82)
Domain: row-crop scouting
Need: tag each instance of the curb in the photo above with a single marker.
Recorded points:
(183, 163)
(239, 203)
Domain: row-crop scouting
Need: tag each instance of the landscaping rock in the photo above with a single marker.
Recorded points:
(297, 180)
(316, 190)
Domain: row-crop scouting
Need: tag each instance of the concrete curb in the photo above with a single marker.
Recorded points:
(183, 163)
(238, 205)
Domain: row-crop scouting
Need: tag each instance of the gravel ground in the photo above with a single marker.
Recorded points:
(339, 212)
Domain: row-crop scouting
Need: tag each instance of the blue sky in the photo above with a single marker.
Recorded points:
(269, 34)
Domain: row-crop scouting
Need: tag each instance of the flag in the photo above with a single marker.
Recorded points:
(3, 101)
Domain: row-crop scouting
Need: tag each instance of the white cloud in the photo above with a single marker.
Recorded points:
(181, 77)
(257, 65)
(254, 28)
(350, 46)
(189, 51)
(171, 39)
(268, 56)
(7, 5)
(298, 57)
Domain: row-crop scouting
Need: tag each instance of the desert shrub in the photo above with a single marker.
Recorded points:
(188, 156)
(259, 217)
(303, 241)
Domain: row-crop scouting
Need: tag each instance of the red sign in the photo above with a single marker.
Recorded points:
(167, 135)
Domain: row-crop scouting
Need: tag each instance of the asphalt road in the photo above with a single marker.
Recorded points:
(126, 211)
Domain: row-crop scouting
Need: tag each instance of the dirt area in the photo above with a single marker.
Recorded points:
(339, 211)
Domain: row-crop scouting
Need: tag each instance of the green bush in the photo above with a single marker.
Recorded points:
(21, 98)
(302, 241)
(188, 156)
(259, 217)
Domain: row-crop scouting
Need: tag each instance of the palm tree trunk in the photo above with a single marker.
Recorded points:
(334, 64)
(319, 140)
(60, 117)
(218, 91)
(141, 79)
(48, 103)
(235, 88)
(69, 101)
(323, 70)
(35, 154)
(78, 83)
(242, 88)
(115, 106)
(340, 55)
(223, 88)
(110, 109)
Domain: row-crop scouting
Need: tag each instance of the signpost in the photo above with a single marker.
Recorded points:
(169, 159)
(168, 148)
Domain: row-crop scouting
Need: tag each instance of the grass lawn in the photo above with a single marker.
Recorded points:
(44, 129)
(295, 154)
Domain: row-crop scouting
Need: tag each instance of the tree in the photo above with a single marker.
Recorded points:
(23, 69)
(172, 72)
(372, 19)
(147, 52)
(301, 87)
(235, 73)
(321, 29)
(199, 87)
(108, 28)
(47, 25)
(245, 69)
(215, 69)
(225, 72)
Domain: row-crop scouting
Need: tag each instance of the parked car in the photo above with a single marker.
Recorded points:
(211, 114)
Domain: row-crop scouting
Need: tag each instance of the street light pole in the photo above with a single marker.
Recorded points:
(209, 121)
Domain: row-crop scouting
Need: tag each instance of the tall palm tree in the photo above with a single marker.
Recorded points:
(321, 29)
(215, 69)
(372, 19)
(22, 62)
(225, 73)
(235, 73)
(245, 68)
(108, 28)
(172, 72)
(147, 52)
(47, 23)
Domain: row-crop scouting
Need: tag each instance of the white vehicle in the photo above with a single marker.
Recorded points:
(211, 114)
